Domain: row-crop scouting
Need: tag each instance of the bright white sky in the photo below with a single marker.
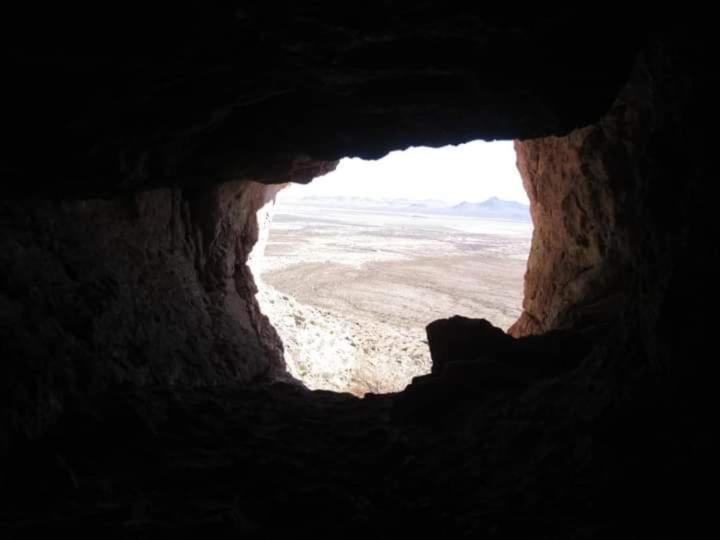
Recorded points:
(473, 172)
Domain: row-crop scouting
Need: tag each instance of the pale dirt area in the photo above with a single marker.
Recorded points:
(350, 291)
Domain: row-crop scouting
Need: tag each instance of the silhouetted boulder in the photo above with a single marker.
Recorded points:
(459, 339)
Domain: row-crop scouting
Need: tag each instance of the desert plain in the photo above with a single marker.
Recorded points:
(351, 285)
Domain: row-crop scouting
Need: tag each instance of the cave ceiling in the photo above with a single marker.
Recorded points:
(100, 101)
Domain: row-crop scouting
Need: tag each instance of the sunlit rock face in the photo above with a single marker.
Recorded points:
(619, 215)
(586, 191)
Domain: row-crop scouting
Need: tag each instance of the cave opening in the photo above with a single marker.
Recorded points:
(143, 391)
(351, 267)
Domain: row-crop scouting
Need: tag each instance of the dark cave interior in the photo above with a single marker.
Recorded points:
(144, 394)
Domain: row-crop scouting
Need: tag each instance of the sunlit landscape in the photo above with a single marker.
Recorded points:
(351, 280)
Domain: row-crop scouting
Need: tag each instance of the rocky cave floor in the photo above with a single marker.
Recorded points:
(278, 459)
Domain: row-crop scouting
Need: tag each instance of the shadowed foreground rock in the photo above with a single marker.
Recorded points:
(265, 461)
(467, 342)
(472, 359)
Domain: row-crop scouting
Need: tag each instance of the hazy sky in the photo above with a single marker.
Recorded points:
(472, 172)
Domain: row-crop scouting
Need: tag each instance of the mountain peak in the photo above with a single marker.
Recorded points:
(493, 207)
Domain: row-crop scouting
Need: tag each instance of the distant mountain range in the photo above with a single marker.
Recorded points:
(492, 208)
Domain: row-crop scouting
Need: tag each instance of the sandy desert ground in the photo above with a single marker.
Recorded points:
(350, 290)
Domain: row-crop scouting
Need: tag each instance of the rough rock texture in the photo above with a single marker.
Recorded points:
(624, 219)
(587, 193)
(326, 350)
(149, 289)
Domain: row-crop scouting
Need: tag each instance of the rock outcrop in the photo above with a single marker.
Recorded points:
(153, 288)
(471, 359)
(588, 199)
(622, 213)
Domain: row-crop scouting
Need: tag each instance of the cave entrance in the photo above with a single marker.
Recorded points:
(359, 261)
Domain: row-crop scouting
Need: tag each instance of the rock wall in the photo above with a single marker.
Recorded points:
(624, 214)
(585, 193)
(148, 289)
